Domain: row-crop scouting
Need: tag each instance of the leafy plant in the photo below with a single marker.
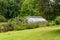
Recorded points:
(57, 20)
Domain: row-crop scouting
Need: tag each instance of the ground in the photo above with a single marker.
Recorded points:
(42, 33)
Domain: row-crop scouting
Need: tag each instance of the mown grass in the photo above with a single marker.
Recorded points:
(42, 33)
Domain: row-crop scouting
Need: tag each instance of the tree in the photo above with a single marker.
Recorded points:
(29, 8)
(10, 8)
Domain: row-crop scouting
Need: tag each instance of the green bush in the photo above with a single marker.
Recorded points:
(51, 23)
(2, 28)
(11, 25)
(16, 23)
(2, 18)
(6, 27)
(57, 20)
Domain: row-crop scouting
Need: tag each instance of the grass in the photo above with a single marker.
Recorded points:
(42, 33)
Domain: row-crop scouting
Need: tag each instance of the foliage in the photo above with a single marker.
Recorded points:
(49, 9)
(29, 8)
(52, 23)
(57, 20)
(13, 8)
(10, 8)
(46, 9)
(2, 18)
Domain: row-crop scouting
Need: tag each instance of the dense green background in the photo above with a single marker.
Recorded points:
(46, 8)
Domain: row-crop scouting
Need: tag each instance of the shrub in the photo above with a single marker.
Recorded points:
(51, 23)
(16, 23)
(2, 18)
(57, 20)
(2, 29)
(6, 27)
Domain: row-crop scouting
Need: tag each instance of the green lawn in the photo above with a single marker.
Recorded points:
(42, 33)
